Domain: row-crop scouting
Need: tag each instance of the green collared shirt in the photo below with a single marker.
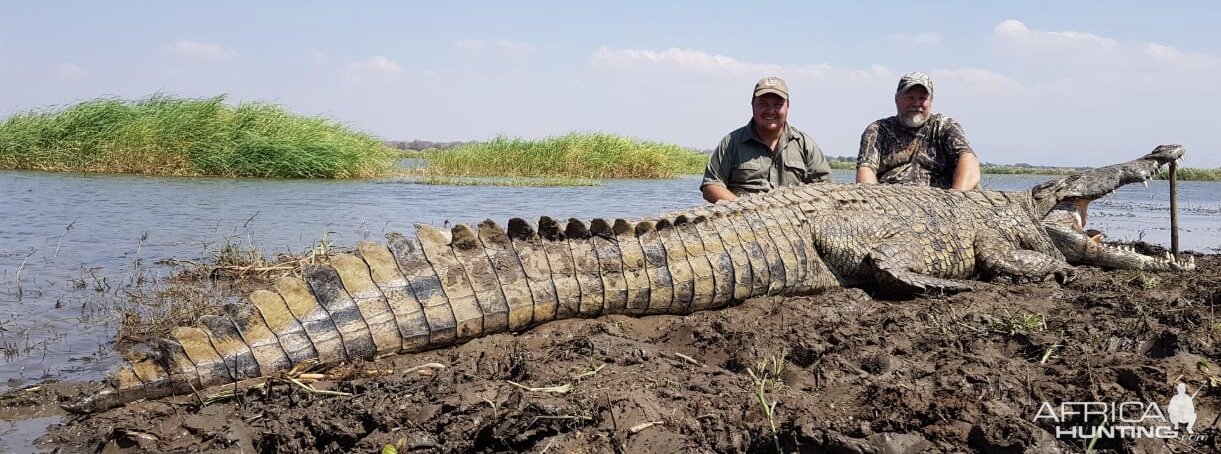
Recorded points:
(744, 164)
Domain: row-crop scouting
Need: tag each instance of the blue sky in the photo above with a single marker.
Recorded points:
(1045, 82)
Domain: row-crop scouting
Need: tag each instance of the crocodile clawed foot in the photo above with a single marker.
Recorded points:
(909, 283)
(1065, 275)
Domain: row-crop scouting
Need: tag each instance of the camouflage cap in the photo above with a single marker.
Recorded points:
(771, 84)
(913, 79)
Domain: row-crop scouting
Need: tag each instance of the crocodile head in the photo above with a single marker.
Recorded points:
(1063, 205)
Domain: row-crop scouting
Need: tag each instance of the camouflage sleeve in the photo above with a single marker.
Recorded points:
(817, 168)
(717, 171)
(869, 154)
(955, 140)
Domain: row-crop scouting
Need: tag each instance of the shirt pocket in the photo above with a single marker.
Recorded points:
(749, 172)
(795, 173)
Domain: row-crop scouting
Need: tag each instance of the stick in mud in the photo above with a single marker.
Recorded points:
(1174, 209)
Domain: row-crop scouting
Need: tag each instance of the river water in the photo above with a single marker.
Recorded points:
(69, 243)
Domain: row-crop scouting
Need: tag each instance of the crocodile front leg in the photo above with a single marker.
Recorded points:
(998, 258)
(897, 265)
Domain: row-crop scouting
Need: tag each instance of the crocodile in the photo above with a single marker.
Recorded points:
(446, 286)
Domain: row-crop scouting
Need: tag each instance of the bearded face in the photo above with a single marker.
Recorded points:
(914, 106)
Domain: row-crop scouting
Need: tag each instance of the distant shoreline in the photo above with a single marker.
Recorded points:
(849, 163)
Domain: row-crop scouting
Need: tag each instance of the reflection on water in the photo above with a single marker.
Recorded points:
(69, 243)
(18, 436)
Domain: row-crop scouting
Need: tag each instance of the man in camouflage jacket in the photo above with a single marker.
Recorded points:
(916, 146)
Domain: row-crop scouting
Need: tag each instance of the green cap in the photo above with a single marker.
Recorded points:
(771, 84)
(913, 79)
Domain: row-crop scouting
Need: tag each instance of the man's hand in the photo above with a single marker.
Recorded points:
(714, 193)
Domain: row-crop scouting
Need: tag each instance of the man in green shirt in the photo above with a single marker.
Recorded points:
(916, 146)
(766, 153)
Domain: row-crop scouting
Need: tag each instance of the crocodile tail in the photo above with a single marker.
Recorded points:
(450, 285)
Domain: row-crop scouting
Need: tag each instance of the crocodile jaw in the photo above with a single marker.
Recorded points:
(1065, 206)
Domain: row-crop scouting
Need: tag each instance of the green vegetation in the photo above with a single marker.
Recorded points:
(165, 135)
(849, 163)
(1184, 173)
(576, 155)
(511, 181)
(1191, 174)
(841, 163)
(998, 169)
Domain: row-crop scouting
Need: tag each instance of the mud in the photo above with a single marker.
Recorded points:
(840, 371)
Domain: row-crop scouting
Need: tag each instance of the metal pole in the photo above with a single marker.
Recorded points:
(1174, 210)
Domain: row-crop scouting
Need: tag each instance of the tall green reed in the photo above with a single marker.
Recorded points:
(166, 135)
(578, 155)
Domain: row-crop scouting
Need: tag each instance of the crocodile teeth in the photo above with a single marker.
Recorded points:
(1169, 258)
(1191, 261)
(1145, 183)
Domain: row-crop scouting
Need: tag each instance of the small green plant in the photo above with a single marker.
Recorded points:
(1013, 324)
(323, 247)
(766, 375)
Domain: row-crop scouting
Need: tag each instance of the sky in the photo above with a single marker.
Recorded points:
(1083, 83)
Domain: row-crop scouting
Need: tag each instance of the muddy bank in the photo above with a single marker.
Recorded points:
(838, 371)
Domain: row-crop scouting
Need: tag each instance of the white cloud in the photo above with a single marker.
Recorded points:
(375, 67)
(69, 71)
(469, 44)
(925, 38)
(714, 64)
(1184, 61)
(1099, 62)
(685, 59)
(701, 62)
(978, 80)
(519, 46)
(1015, 32)
(315, 54)
(194, 49)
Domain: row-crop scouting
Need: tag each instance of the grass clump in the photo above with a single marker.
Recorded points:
(154, 306)
(576, 155)
(166, 135)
